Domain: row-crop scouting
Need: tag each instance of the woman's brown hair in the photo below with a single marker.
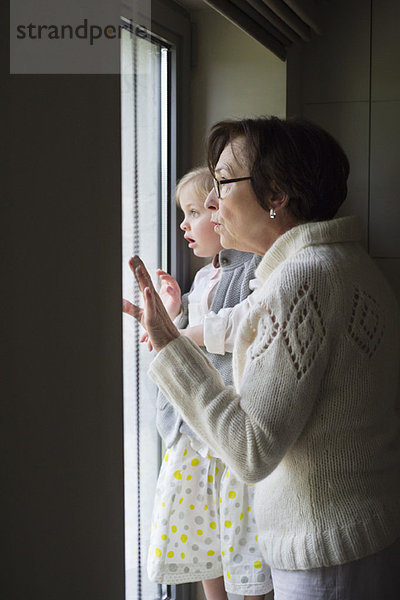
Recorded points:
(293, 156)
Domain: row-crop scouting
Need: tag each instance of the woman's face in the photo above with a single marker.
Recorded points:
(239, 219)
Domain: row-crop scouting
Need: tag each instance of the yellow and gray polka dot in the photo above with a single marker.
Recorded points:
(245, 570)
(203, 526)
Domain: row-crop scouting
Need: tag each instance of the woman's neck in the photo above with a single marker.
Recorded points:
(282, 223)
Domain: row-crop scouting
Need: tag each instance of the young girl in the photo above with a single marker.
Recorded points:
(203, 526)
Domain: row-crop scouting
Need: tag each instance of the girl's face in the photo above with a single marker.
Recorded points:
(199, 231)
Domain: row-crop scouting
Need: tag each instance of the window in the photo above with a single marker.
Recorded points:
(150, 162)
(144, 113)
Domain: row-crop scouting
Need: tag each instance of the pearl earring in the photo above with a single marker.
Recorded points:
(272, 213)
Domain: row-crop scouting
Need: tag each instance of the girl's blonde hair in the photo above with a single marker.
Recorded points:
(201, 180)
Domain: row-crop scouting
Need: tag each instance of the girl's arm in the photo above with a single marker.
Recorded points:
(194, 333)
(217, 332)
(220, 328)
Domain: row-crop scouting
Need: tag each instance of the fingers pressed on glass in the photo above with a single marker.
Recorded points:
(132, 309)
(141, 274)
(162, 273)
(153, 316)
(144, 338)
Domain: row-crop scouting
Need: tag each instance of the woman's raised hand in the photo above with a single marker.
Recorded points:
(153, 316)
(170, 293)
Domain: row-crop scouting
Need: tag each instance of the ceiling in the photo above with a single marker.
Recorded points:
(192, 4)
(276, 24)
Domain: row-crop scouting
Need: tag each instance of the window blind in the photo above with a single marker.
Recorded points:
(274, 23)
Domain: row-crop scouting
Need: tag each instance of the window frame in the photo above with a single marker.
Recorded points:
(171, 24)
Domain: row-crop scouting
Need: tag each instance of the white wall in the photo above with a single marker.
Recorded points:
(233, 76)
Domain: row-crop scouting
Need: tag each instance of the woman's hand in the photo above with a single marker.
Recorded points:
(196, 334)
(153, 317)
(170, 293)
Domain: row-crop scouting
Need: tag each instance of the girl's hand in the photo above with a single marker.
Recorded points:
(170, 293)
(153, 317)
(145, 338)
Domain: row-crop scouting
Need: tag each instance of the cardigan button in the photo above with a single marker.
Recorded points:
(224, 261)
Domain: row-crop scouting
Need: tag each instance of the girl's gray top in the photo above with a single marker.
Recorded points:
(237, 269)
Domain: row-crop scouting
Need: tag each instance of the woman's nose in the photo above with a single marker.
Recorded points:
(184, 226)
(211, 202)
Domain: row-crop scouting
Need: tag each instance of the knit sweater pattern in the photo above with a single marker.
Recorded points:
(313, 417)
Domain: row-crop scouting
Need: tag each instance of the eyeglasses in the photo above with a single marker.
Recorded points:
(217, 184)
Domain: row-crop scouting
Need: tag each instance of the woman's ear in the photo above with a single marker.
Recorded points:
(278, 200)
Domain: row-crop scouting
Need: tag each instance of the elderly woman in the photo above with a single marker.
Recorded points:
(312, 419)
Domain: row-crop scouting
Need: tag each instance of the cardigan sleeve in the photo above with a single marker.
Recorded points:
(285, 360)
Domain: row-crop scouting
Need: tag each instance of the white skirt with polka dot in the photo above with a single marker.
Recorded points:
(203, 526)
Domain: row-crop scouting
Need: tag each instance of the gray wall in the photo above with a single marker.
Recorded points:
(348, 80)
(62, 455)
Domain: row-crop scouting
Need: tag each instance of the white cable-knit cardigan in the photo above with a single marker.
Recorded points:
(313, 418)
